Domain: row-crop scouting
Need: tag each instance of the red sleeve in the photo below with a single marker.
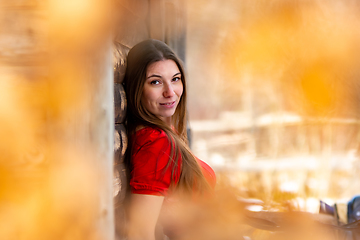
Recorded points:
(150, 158)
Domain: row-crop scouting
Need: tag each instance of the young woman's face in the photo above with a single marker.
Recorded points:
(162, 89)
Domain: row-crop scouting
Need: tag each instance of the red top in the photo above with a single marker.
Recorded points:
(151, 154)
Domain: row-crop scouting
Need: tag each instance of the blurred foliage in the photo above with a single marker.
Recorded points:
(267, 56)
(290, 70)
(49, 66)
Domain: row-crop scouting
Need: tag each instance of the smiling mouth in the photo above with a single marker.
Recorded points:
(167, 104)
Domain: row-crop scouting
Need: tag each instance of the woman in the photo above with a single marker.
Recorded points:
(158, 156)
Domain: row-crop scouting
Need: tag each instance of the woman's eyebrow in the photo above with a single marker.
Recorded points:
(159, 76)
(154, 75)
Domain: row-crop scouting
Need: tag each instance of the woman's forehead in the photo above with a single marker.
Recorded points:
(162, 67)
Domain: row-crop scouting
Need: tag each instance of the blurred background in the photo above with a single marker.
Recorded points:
(274, 96)
(56, 120)
(273, 92)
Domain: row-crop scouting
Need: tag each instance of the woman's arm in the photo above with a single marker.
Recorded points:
(143, 216)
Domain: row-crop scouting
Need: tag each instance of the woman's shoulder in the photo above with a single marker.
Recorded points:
(149, 131)
(208, 172)
(147, 134)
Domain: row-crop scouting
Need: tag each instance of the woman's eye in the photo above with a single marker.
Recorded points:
(155, 82)
(175, 79)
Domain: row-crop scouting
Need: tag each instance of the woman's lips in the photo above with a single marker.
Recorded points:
(168, 105)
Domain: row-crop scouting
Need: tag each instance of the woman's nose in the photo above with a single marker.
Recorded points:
(169, 91)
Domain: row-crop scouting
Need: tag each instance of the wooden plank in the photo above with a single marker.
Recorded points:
(119, 54)
(120, 184)
(120, 103)
(120, 143)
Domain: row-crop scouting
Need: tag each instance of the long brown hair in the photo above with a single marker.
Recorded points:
(138, 59)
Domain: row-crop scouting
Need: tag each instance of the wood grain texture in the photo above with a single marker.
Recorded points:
(120, 183)
(120, 103)
(119, 55)
(120, 143)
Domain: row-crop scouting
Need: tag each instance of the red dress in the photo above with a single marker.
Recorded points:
(151, 154)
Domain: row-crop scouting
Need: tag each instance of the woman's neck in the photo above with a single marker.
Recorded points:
(167, 120)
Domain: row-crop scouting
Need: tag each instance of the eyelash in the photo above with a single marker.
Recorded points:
(155, 82)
